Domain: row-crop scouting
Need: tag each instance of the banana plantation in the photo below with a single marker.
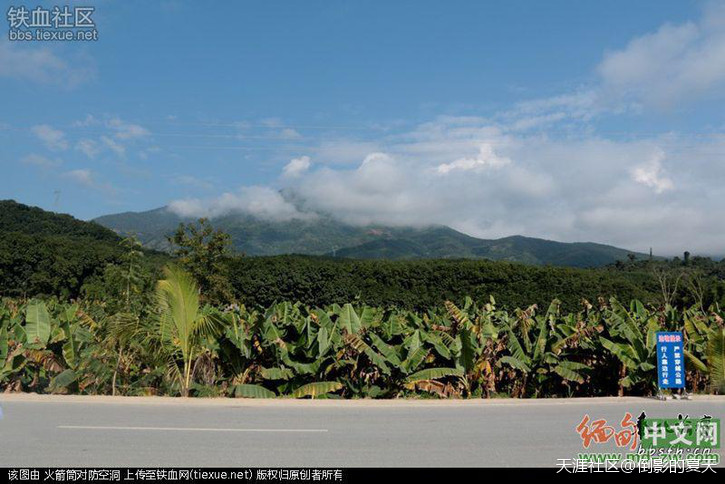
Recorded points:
(176, 345)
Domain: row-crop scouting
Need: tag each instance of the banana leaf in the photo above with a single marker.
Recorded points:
(433, 374)
(316, 389)
(37, 323)
(246, 390)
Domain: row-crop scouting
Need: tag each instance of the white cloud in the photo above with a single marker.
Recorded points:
(127, 131)
(41, 161)
(41, 65)
(676, 63)
(541, 113)
(82, 176)
(651, 174)
(486, 159)
(565, 188)
(482, 177)
(53, 139)
(114, 146)
(88, 179)
(296, 167)
(88, 147)
(537, 169)
(89, 120)
(259, 201)
(118, 136)
(289, 134)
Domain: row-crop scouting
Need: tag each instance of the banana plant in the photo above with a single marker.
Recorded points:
(12, 340)
(348, 350)
(633, 342)
(714, 364)
(542, 360)
(70, 336)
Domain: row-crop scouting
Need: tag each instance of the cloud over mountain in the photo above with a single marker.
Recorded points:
(496, 182)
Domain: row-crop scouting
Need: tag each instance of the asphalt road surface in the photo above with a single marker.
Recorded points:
(145, 432)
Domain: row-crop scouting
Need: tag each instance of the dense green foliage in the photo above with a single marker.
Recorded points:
(16, 217)
(92, 313)
(46, 253)
(43, 253)
(55, 255)
(183, 323)
(319, 234)
(49, 264)
(202, 251)
(476, 350)
(428, 283)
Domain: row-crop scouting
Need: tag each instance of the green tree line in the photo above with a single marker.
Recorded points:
(180, 346)
(215, 324)
(78, 266)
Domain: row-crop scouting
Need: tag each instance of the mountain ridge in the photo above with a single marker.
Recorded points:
(30, 220)
(323, 235)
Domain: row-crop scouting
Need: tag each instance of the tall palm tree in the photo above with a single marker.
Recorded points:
(183, 323)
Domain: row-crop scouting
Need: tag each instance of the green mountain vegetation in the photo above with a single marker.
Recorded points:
(423, 284)
(83, 311)
(45, 253)
(445, 243)
(18, 218)
(325, 236)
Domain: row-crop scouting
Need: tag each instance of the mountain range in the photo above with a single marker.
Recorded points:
(324, 235)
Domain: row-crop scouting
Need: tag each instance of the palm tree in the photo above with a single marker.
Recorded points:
(183, 323)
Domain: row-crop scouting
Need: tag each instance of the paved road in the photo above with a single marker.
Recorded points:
(96, 431)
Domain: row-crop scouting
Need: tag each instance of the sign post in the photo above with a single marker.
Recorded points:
(670, 364)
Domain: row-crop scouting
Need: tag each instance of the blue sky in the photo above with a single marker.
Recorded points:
(569, 120)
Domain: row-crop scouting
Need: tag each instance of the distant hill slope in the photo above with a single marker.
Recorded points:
(439, 243)
(150, 227)
(16, 217)
(47, 253)
(326, 236)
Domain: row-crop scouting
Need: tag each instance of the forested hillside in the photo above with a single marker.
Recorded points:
(16, 217)
(427, 283)
(45, 253)
(323, 235)
(91, 313)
